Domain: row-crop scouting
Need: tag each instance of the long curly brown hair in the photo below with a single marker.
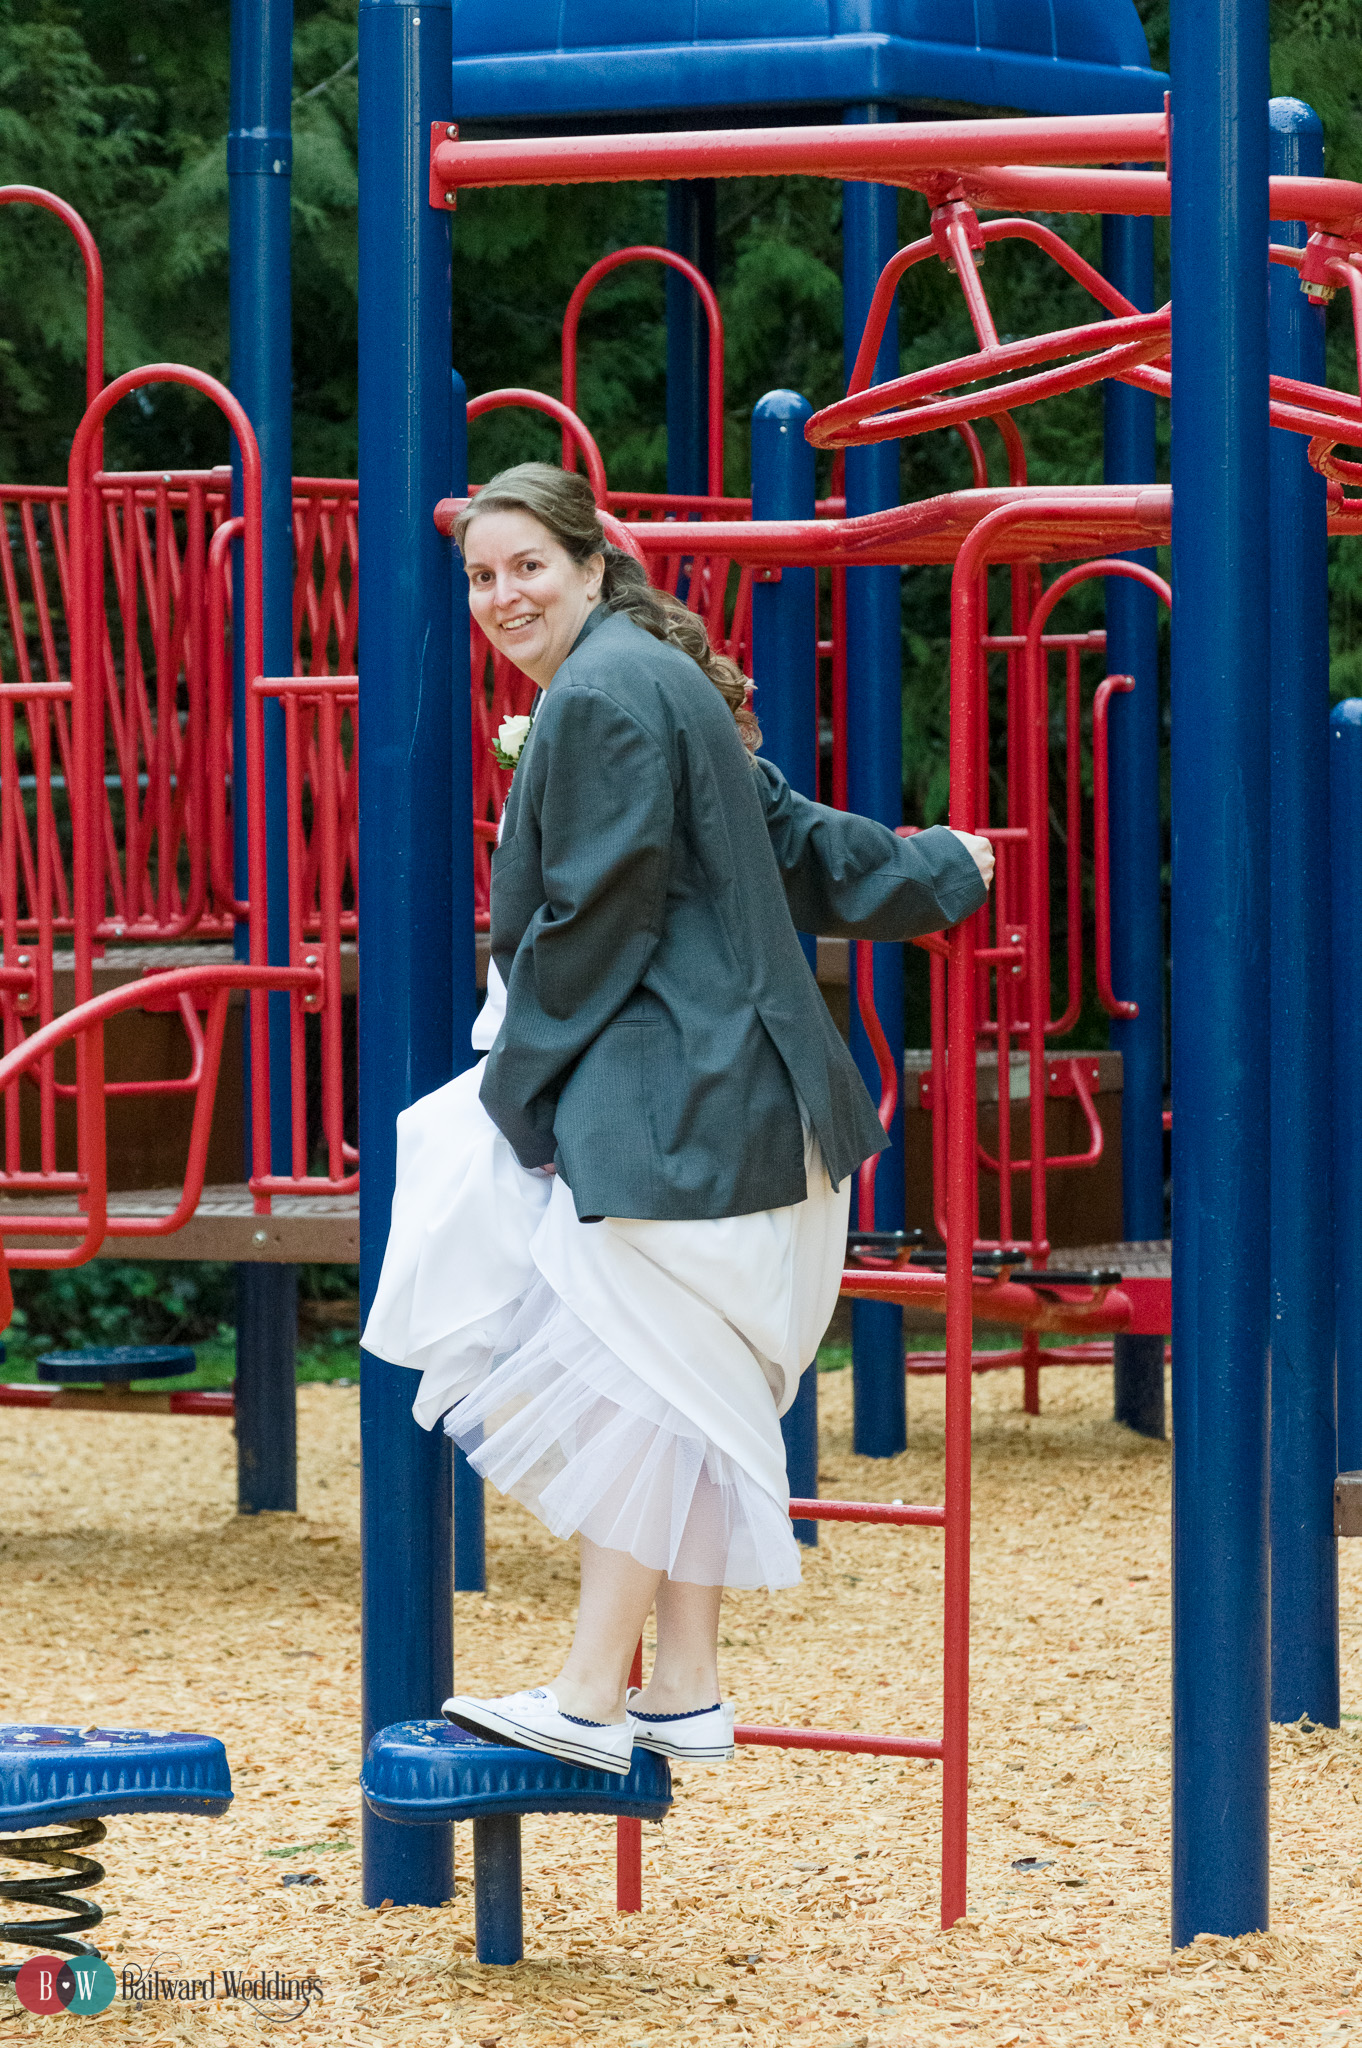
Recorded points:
(562, 502)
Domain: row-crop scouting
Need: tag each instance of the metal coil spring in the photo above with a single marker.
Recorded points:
(72, 1873)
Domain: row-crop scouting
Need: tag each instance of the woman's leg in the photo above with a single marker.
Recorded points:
(685, 1673)
(617, 1594)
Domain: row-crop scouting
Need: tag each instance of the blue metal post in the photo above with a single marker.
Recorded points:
(412, 770)
(875, 781)
(498, 1925)
(1220, 707)
(785, 608)
(1137, 947)
(785, 670)
(259, 163)
(1345, 781)
(690, 232)
(470, 1526)
(799, 1427)
(1304, 1413)
(265, 1388)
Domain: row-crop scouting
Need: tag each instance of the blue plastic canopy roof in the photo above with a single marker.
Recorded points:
(554, 58)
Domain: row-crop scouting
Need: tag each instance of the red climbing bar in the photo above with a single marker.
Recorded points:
(892, 1512)
(892, 153)
(836, 1739)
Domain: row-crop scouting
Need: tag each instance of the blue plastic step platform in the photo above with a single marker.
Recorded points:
(426, 1773)
(78, 1777)
(103, 1363)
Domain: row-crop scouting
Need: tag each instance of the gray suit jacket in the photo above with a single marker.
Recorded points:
(660, 1013)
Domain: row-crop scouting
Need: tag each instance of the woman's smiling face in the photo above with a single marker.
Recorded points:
(526, 592)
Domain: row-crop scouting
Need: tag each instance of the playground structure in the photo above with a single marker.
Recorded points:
(147, 861)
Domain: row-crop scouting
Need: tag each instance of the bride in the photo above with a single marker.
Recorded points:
(617, 1240)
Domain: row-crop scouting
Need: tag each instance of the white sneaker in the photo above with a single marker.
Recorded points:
(534, 1720)
(703, 1736)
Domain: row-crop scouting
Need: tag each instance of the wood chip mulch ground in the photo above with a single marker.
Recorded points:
(790, 1900)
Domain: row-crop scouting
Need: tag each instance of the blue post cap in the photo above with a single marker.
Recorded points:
(1287, 116)
(427, 1772)
(1349, 712)
(50, 1774)
(101, 1363)
(784, 406)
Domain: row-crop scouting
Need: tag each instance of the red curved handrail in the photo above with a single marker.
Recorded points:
(1113, 1004)
(84, 1024)
(643, 252)
(1037, 695)
(220, 721)
(860, 420)
(35, 195)
(539, 401)
(619, 535)
(955, 236)
(889, 1080)
(86, 612)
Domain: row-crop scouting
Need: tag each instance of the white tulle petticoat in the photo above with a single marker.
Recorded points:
(621, 1379)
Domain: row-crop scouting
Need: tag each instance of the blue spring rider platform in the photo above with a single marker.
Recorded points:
(75, 1778)
(105, 1364)
(426, 1774)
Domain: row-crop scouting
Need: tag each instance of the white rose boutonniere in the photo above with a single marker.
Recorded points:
(509, 743)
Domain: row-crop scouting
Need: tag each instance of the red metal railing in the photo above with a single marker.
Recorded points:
(109, 547)
(704, 291)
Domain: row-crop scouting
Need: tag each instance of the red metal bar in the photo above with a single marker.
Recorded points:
(1101, 833)
(895, 153)
(1049, 523)
(889, 1079)
(1327, 203)
(929, 1364)
(931, 1747)
(704, 291)
(84, 1024)
(1106, 348)
(573, 429)
(629, 1833)
(961, 1214)
(892, 1513)
(183, 1401)
(220, 721)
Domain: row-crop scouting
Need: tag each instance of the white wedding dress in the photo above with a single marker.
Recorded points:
(623, 1379)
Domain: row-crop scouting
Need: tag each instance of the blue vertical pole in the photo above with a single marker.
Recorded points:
(470, 1524)
(1137, 950)
(1220, 705)
(1345, 779)
(259, 165)
(875, 782)
(785, 611)
(411, 768)
(690, 232)
(785, 670)
(799, 1428)
(1304, 1413)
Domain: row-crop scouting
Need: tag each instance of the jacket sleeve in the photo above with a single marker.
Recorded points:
(847, 877)
(601, 790)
